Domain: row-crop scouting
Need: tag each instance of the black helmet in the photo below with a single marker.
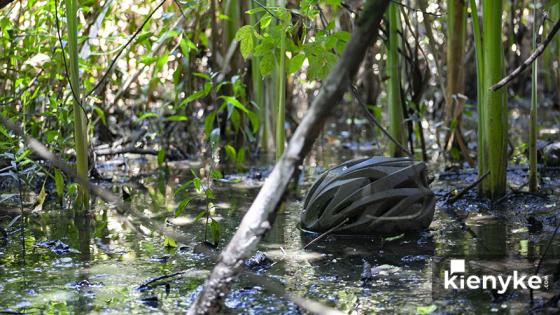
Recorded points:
(378, 195)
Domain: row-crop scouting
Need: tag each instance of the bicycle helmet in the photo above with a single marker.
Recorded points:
(378, 195)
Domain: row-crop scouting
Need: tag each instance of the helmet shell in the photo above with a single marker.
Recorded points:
(378, 195)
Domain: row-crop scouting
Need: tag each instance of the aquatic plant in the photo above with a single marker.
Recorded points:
(80, 120)
(533, 180)
(492, 154)
(394, 100)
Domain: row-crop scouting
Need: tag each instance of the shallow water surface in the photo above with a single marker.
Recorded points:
(109, 261)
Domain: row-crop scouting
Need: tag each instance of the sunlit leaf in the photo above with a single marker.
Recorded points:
(245, 37)
(59, 183)
(295, 63)
(168, 242)
(182, 205)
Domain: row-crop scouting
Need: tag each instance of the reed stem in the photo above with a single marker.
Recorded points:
(80, 125)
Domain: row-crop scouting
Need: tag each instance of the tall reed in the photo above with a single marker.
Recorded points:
(396, 117)
(494, 102)
(80, 124)
(533, 113)
(280, 79)
(456, 36)
(482, 164)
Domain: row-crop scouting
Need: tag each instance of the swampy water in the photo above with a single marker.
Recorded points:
(107, 261)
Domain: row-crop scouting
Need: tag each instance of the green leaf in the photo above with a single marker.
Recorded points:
(198, 94)
(209, 123)
(294, 64)
(240, 157)
(209, 194)
(245, 37)
(161, 157)
(233, 101)
(217, 174)
(424, 310)
(215, 229)
(266, 65)
(255, 121)
(100, 113)
(235, 120)
(184, 187)
(176, 118)
(145, 116)
(265, 21)
(182, 205)
(231, 153)
(200, 215)
(59, 183)
(168, 242)
(550, 4)
(40, 199)
(196, 183)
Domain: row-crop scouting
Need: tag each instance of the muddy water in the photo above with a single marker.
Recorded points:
(102, 260)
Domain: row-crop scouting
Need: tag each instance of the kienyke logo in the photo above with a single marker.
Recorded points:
(457, 279)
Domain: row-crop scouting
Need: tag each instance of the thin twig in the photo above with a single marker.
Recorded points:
(376, 123)
(547, 248)
(414, 9)
(538, 51)
(466, 189)
(266, 9)
(320, 237)
(106, 74)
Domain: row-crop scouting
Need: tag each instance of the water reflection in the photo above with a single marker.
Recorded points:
(116, 252)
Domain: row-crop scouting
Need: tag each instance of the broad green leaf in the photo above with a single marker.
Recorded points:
(245, 37)
(169, 242)
(551, 3)
(231, 153)
(217, 174)
(265, 21)
(254, 118)
(294, 64)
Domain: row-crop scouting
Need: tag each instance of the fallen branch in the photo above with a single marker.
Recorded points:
(258, 220)
(530, 60)
(59, 163)
(115, 151)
